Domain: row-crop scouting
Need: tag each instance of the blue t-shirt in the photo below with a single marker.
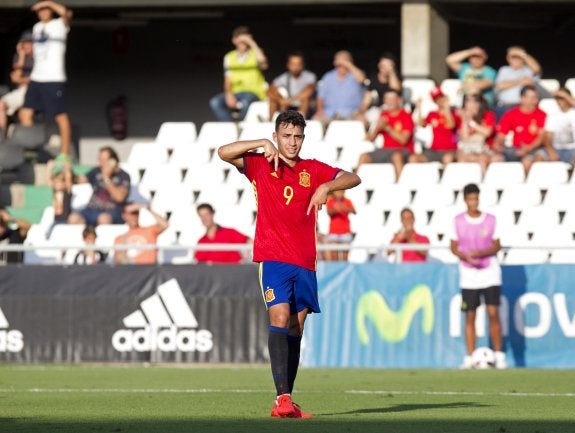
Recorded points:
(467, 73)
(341, 97)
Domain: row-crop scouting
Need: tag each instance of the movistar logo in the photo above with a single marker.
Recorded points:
(390, 325)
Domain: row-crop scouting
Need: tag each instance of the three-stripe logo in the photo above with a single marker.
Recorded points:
(164, 322)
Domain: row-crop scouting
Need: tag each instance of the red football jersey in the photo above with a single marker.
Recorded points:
(525, 126)
(443, 138)
(284, 233)
(401, 121)
(223, 235)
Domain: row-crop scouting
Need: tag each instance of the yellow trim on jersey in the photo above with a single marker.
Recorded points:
(260, 272)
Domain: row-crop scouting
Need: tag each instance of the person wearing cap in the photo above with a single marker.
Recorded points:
(20, 77)
(475, 75)
(46, 91)
(522, 70)
(444, 122)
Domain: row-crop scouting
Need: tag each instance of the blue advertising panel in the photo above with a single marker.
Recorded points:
(408, 316)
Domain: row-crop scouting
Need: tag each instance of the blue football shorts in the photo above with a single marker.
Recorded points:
(283, 283)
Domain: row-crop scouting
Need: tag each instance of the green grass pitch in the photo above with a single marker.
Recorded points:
(168, 399)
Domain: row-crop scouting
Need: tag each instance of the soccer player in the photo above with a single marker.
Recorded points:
(475, 240)
(289, 192)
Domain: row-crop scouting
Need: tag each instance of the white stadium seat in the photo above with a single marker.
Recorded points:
(143, 155)
(215, 134)
(419, 88)
(458, 174)
(547, 173)
(172, 134)
(415, 175)
(502, 174)
(343, 133)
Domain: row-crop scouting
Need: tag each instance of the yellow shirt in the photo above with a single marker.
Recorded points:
(244, 73)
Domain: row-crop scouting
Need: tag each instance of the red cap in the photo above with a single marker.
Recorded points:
(436, 93)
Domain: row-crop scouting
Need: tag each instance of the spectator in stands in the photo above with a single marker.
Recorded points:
(396, 127)
(522, 70)
(527, 123)
(111, 187)
(475, 241)
(89, 257)
(476, 131)
(338, 208)
(408, 235)
(61, 183)
(341, 91)
(387, 77)
(46, 91)
(14, 230)
(138, 236)
(216, 234)
(20, 77)
(477, 78)
(294, 89)
(559, 136)
(244, 81)
(443, 123)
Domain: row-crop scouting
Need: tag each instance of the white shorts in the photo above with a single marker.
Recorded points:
(14, 99)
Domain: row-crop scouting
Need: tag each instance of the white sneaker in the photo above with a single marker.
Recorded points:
(467, 363)
(500, 361)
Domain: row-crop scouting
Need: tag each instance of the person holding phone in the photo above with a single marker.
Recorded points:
(111, 187)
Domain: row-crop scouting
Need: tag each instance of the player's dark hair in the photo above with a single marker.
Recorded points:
(290, 117)
(470, 188)
(206, 206)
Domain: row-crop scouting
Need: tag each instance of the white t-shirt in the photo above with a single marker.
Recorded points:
(50, 51)
(473, 278)
(562, 125)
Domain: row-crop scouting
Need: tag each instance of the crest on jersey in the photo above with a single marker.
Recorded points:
(269, 295)
(305, 179)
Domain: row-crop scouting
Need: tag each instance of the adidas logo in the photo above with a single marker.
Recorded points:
(164, 322)
(10, 340)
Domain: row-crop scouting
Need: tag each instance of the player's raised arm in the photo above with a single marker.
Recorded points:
(343, 180)
(234, 152)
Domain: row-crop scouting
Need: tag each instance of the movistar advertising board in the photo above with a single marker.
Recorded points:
(385, 315)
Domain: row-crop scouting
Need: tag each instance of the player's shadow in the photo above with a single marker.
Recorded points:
(409, 407)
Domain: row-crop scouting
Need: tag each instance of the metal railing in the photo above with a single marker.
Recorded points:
(377, 253)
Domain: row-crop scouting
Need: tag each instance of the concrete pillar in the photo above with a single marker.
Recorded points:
(424, 42)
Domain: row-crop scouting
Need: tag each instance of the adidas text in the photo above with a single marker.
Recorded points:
(11, 341)
(166, 340)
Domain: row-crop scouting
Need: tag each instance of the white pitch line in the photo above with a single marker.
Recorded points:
(463, 393)
(258, 391)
